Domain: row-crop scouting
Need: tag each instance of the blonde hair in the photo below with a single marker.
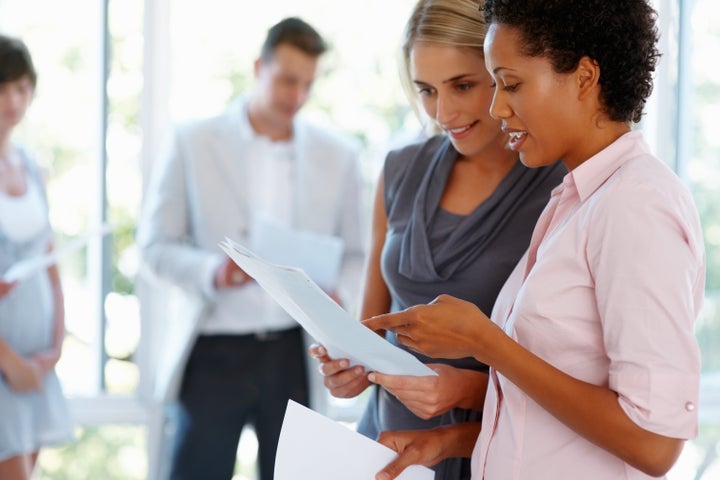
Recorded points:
(455, 23)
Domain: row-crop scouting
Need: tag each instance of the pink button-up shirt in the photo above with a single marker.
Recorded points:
(611, 299)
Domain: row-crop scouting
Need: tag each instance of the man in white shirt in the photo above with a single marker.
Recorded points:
(257, 161)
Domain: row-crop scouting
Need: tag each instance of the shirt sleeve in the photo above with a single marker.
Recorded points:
(646, 258)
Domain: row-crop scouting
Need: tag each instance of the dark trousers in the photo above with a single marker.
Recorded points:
(229, 381)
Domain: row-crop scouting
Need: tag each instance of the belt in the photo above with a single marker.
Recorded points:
(261, 336)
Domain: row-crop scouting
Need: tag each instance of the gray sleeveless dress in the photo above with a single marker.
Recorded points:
(429, 251)
(29, 420)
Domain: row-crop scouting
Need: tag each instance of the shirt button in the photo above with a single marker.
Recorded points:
(690, 406)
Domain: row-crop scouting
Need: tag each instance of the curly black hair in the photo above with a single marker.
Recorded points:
(620, 35)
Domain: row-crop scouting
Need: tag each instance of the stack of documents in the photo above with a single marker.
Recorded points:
(322, 318)
(313, 447)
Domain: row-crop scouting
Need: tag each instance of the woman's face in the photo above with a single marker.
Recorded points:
(539, 108)
(456, 90)
(15, 97)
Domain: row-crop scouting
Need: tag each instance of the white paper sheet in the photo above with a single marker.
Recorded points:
(320, 256)
(314, 447)
(24, 268)
(322, 318)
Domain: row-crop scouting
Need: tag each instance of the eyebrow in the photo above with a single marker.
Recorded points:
(497, 69)
(449, 80)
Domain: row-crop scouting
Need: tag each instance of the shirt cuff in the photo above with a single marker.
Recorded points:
(665, 404)
(207, 277)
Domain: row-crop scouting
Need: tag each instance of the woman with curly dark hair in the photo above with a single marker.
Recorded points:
(594, 364)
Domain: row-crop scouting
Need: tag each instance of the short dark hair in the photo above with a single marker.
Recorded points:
(621, 36)
(296, 32)
(15, 61)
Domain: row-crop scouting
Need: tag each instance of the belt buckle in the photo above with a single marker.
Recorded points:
(267, 335)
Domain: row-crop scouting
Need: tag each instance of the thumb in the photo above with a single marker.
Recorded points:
(394, 468)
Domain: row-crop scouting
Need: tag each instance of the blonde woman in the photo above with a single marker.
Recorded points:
(451, 215)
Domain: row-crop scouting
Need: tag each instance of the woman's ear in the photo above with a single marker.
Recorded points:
(587, 75)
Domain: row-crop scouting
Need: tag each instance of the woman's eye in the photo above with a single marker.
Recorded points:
(511, 88)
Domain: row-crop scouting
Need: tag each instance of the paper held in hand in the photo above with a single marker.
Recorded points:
(314, 447)
(322, 318)
(30, 266)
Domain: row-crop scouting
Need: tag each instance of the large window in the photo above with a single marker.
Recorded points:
(698, 160)
(115, 75)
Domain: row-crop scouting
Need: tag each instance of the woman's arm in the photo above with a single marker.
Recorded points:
(452, 328)
(21, 374)
(47, 359)
(591, 411)
(6, 287)
(339, 379)
(376, 296)
(429, 396)
(428, 447)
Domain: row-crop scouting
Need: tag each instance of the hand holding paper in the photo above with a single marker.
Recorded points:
(322, 318)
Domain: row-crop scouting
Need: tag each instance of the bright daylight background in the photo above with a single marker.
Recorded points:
(171, 60)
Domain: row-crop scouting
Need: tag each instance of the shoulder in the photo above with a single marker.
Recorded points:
(326, 137)
(415, 155)
(227, 122)
(34, 169)
(642, 179)
(202, 127)
(644, 194)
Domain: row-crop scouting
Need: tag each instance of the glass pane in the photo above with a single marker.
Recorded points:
(700, 457)
(124, 191)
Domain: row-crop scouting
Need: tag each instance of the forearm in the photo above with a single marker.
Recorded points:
(591, 411)
(47, 359)
(5, 352)
(474, 388)
(460, 439)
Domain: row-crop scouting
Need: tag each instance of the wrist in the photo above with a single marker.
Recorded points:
(459, 439)
(4, 350)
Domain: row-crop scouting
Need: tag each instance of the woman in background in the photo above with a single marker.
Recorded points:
(452, 215)
(33, 411)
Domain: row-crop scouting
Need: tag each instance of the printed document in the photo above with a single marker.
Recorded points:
(322, 318)
(320, 256)
(314, 447)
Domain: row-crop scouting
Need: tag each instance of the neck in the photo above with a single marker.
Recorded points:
(4, 146)
(604, 135)
(495, 159)
(263, 124)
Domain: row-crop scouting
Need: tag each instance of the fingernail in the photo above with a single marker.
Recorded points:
(382, 476)
(371, 377)
(344, 364)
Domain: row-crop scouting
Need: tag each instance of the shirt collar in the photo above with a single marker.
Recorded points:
(592, 173)
(239, 110)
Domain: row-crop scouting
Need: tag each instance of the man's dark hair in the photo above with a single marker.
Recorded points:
(295, 32)
(15, 61)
